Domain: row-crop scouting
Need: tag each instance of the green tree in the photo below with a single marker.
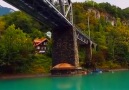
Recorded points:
(24, 22)
(2, 26)
(37, 34)
(16, 49)
(20, 19)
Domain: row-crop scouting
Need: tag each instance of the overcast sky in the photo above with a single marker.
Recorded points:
(121, 3)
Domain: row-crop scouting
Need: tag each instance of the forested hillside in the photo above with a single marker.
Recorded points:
(108, 26)
(17, 53)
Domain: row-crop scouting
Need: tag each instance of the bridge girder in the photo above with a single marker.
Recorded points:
(43, 11)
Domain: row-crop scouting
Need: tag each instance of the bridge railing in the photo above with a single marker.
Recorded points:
(83, 37)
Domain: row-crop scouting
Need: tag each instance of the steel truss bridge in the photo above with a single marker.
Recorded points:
(58, 14)
(45, 11)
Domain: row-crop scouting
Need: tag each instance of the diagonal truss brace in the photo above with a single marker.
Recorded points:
(65, 7)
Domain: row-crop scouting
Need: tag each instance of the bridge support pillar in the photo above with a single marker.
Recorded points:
(65, 49)
(89, 52)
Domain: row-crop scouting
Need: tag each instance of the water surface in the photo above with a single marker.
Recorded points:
(103, 81)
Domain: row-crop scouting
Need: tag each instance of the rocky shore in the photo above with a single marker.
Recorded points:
(15, 76)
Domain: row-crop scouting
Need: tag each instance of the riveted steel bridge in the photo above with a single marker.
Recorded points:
(58, 15)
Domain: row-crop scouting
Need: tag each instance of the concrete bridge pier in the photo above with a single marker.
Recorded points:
(65, 49)
(89, 51)
(88, 57)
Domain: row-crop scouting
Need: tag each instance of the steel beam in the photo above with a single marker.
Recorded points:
(43, 11)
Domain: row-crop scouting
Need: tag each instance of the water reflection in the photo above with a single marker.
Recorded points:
(67, 83)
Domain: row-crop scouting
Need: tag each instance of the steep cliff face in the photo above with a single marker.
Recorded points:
(99, 14)
(5, 10)
(110, 13)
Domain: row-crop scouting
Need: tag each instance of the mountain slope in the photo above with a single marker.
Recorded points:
(5, 10)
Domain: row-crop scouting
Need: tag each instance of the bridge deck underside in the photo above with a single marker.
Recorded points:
(43, 11)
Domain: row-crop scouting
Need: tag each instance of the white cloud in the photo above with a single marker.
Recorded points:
(120, 3)
(4, 4)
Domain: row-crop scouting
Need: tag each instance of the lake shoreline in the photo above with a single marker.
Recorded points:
(115, 70)
(17, 76)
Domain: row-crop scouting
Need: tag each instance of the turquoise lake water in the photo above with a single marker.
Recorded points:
(103, 81)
